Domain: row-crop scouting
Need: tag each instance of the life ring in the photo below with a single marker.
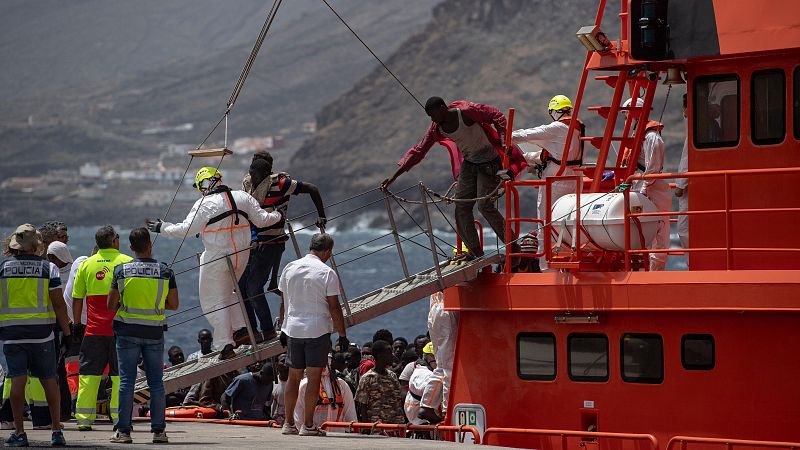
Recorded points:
(190, 412)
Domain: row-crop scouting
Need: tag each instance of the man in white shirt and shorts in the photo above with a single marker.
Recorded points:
(309, 311)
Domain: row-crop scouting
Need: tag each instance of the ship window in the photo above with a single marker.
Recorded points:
(768, 106)
(716, 111)
(536, 356)
(796, 102)
(697, 351)
(642, 358)
(588, 357)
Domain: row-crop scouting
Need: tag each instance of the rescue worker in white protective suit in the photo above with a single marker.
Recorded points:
(682, 188)
(222, 217)
(335, 402)
(552, 138)
(419, 380)
(443, 328)
(651, 160)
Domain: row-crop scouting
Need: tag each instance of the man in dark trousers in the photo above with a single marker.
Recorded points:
(141, 292)
(473, 134)
(272, 191)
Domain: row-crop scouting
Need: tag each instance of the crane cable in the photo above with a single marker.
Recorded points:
(237, 89)
(373, 53)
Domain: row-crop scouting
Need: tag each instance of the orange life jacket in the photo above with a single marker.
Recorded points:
(338, 401)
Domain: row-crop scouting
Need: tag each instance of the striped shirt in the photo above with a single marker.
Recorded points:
(282, 186)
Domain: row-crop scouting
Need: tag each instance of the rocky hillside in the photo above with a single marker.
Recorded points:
(507, 53)
(83, 79)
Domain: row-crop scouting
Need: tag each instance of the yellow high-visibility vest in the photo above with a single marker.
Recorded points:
(143, 288)
(25, 292)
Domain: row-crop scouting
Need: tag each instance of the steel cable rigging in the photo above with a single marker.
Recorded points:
(237, 89)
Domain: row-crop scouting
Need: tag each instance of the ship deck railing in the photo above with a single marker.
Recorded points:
(635, 258)
(728, 211)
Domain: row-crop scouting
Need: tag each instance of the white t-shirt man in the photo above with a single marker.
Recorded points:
(305, 284)
(408, 370)
(68, 288)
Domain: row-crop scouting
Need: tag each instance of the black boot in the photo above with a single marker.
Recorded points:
(240, 337)
(429, 415)
(227, 352)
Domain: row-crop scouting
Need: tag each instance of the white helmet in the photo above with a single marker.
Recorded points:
(639, 102)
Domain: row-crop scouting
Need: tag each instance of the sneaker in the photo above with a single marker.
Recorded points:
(57, 439)
(84, 428)
(289, 428)
(121, 438)
(311, 431)
(6, 425)
(240, 337)
(160, 438)
(227, 352)
(16, 440)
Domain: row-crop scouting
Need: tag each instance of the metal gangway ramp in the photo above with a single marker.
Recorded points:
(412, 287)
(362, 309)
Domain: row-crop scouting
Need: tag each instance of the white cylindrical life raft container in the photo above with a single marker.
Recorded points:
(603, 219)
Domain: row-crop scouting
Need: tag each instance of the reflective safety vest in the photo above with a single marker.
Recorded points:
(25, 293)
(143, 288)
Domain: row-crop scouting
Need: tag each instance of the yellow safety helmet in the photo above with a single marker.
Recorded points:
(204, 174)
(464, 249)
(559, 103)
(428, 349)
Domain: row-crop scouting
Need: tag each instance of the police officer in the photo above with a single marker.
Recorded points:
(30, 288)
(98, 350)
(141, 290)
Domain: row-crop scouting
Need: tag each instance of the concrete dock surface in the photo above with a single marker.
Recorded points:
(200, 435)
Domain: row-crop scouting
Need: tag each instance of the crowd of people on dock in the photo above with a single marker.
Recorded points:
(76, 329)
(381, 380)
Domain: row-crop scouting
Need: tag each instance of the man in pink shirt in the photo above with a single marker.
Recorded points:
(472, 134)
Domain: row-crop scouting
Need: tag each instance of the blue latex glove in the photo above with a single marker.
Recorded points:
(608, 175)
